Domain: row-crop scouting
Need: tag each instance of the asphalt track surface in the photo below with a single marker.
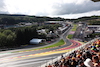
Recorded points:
(36, 58)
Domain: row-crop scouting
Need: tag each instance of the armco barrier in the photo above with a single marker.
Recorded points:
(66, 54)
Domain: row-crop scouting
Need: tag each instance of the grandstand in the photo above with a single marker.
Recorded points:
(87, 55)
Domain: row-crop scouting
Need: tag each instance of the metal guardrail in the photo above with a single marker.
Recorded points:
(67, 54)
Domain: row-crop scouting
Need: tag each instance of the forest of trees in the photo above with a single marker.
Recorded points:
(15, 37)
(15, 19)
(9, 19)
(92, 20)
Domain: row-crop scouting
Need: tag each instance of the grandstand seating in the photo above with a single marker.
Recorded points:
(87, 55)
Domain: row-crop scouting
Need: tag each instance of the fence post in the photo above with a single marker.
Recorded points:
(40, 64)
(46, 62)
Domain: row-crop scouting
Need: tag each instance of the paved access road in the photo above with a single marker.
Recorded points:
(35, 58)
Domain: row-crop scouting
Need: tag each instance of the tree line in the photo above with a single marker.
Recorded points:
(18, 37)
(9, 19)
(15, 37)
(92, 20)
(15, 19)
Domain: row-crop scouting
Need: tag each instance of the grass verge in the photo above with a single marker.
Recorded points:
(74, 27)
(70, 36)
(61, 42)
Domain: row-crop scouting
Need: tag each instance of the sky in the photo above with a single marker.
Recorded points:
(52, 8)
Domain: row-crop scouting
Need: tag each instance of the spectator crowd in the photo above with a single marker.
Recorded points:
(88, 56)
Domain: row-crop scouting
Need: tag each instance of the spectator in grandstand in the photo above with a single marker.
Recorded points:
(50, 65)
(81, 64)
(98, 55)
(88, 63)
(96, 61)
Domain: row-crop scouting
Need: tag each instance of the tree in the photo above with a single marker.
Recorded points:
(24, 35)
(7, 32)
(42, 36)
(7, 39)
(2, 40)
(11, 40)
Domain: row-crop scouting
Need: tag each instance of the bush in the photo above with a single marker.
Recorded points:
(70, 36)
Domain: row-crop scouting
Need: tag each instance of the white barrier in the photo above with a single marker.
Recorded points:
(66, 54)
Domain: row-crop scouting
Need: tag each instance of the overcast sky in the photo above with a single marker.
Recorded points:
(53, 8)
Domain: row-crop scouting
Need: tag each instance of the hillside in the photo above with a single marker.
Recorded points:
(92, 20)
(14, 18)
(10, 19)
